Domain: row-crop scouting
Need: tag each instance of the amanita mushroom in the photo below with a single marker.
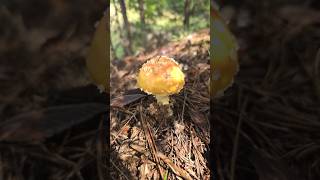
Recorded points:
(97, 60)
(161, 76)
(224, 62)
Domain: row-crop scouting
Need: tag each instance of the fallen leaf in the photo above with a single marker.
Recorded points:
(36, 126)
(130, 97)
(177, 170)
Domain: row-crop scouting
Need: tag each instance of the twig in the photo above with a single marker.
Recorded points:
(118, 169)
(184, 104)
(116, 137)
(177, 170)
(100, 158)
(151, 142)
(236, 141)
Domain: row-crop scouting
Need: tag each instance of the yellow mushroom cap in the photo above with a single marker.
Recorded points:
(224, 59)
(97, 60)
(161, 76)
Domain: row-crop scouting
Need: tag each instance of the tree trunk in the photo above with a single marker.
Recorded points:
(119, 28)
(141, 9)
(126, 24)
(113, 51)
(186, 13)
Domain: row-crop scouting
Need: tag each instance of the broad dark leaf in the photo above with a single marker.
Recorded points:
(36, 126)
(130, 97)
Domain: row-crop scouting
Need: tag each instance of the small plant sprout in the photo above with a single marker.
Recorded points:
(161, 76)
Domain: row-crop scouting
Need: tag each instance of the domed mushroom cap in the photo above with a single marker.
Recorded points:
(97, 60)
(161, 76)
(224, 58)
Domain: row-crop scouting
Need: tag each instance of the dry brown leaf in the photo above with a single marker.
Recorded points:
(177, 170)
(38, 125)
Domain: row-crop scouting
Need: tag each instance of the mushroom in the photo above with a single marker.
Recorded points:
(224, 59)
(161, 76)
(97, 60)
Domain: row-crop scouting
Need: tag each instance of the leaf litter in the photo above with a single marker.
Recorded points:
(159, 141)
(267, 124)
(50, 115)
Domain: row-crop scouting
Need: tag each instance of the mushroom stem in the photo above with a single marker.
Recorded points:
(162, 99)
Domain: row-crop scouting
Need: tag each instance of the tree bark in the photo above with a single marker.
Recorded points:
(186, 13)
(112, 49)
(141, 9)
(119, 27)
(126, 24)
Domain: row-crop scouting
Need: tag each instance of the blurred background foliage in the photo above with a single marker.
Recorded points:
(139, 26)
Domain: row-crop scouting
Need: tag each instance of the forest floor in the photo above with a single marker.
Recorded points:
(266, 126)
(147, 142)
(50, 115)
